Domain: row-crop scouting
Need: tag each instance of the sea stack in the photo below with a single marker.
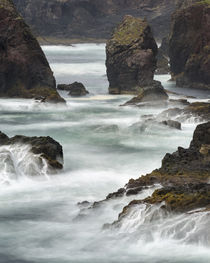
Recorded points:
(131, 57)
(189, 46)
(24, 69)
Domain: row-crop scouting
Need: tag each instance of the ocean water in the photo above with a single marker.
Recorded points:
(104, 146)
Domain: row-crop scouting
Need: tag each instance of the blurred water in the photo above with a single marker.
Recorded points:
(102, 151)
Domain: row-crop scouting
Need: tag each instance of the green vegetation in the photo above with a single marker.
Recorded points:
(130, 30)
(204, 2)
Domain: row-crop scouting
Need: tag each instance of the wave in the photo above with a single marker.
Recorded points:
(18, 162)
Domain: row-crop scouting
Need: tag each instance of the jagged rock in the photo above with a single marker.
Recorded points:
(189, 46)
(156, 93)
(46, 147)
(24, 70)
(184, 176)
(131, 57)
(75, 89)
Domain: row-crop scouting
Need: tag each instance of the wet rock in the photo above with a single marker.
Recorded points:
(46, 147)
(172, 124)
(189, 46)
(76, 89)
(198, 111)
(24, 70)
(155, 93)
(119, 193)
(131, 57)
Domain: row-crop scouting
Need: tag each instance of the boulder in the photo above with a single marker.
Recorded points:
(46, 147)
(24, 70)
(75, 89)
(131, 57)
(189, 46)
(155, 93)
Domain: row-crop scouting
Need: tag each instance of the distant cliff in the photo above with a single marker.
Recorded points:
(77, 19)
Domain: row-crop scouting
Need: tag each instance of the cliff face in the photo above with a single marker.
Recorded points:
(92, 18)
(131, 57)
(189, 46)
(24, 70)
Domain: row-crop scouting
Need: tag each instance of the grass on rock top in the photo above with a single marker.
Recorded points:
(130, 30)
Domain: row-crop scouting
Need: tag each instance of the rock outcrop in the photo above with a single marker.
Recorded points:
(45, 147)
(24, 70)
(184, 176)
(131, 57)
(189, 46)
(76, 89)
(154, 93)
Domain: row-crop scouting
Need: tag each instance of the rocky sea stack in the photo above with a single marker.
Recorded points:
(189, 46)
(131, 61)
(131, 57)
(24, 70)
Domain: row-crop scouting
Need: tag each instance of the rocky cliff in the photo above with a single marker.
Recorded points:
(131, 57)
(189, 46)
(92, 18)
(24, 70)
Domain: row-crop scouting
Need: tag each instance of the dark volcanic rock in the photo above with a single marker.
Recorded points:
(24, 70)
(189, 46)
(75, 89)
(46, 147)
(131, 57)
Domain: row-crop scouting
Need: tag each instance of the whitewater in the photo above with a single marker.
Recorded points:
(40, 219)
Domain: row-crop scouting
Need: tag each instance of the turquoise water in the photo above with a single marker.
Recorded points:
(102, 150)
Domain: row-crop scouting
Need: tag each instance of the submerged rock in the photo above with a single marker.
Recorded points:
(46, 147)
(198, 111)
(131, 57)
(172, 124)
(189, 46)
(24, 70)
(75, 89)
